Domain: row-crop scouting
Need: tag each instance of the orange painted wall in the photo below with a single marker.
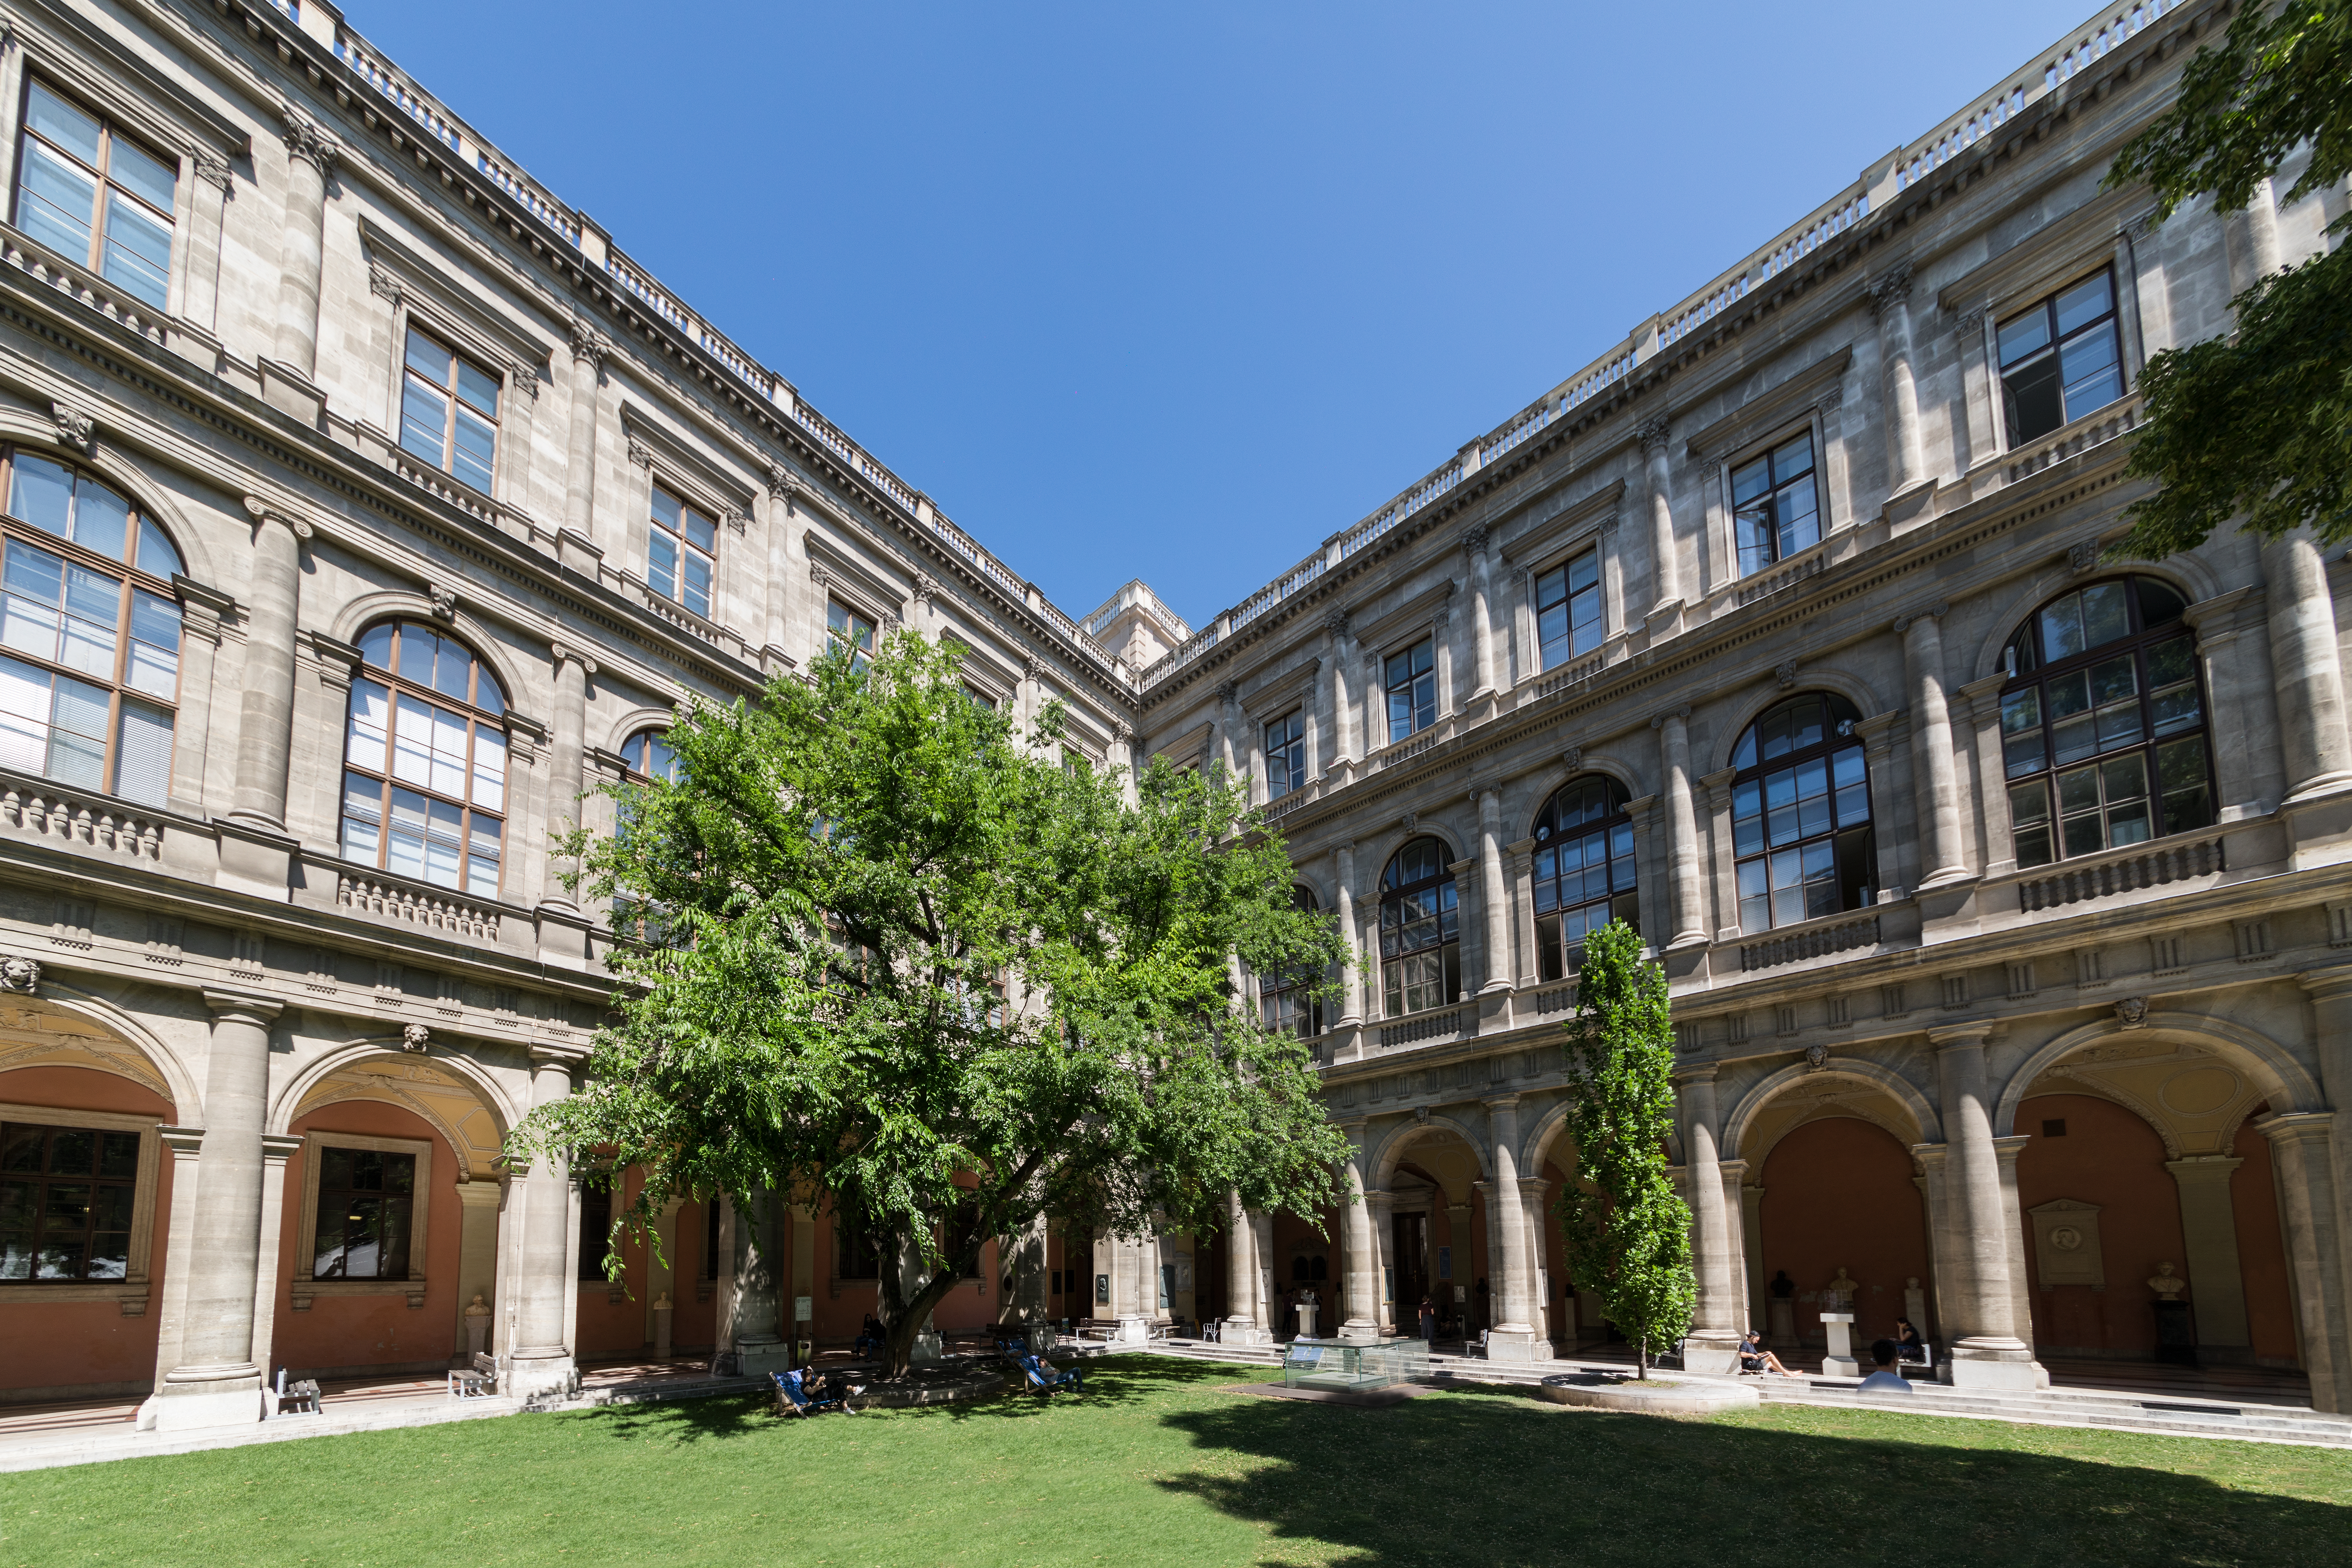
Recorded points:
(693, 1323)
(2112, 1158)
(62, 1343)
(602, 1326)
(1838, 1193)
(2262, 1250)
(370, 1330)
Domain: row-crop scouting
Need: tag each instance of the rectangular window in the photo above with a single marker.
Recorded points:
(1775, 506)
(858, 1257)
(1567, 609)
(1285, 755)
(678, 552)
(846, 631)
(99, 200)
(65, 1196)
(366, 1208)
(595, 1230)
(710, 1238)
(1411, 684)
(448, 411)
(2060, 359)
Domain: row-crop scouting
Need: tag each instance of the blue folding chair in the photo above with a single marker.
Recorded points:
(792, 1398)
(1043, 1381)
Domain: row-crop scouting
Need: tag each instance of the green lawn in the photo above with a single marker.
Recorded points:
(1158, 1467)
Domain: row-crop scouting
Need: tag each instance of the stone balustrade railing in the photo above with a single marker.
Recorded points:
(403, 902)
(70, 819)
(2151, 864)
(2108, 424)
(44, 265)
(1442, 1023)
(1814, 940)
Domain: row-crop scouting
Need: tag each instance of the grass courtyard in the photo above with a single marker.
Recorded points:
(1157, 1465)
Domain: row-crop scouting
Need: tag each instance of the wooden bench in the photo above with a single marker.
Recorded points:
(479, 1381)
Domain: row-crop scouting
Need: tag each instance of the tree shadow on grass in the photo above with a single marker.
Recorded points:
(1475, 1476)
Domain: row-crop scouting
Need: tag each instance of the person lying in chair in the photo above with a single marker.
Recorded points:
(1755, 1358)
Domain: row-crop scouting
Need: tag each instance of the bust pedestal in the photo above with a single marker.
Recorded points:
(1781, 1330)
(1840, 1362)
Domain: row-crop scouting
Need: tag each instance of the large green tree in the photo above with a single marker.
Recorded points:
(1628, 1234)
(2257, 423)
(917, 969)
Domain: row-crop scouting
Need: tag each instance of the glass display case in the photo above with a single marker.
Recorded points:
(1353, 1366)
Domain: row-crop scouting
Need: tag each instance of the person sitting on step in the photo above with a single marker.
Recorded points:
(1885, 1380)
(1755, 1358)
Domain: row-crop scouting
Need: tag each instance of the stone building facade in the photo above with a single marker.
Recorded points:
(366, 505)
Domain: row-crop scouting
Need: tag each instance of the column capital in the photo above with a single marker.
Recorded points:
(2296, 1126)
(242, 1006)
(1904, 622)
(564, 653)
(1703, 1074)
(1658, 721)
(2203, 1170)
(569, 1057)
(590, 343)
(1891, 286)
(1473, 540)
(2329, 985)
(264, 511)
(277, 1148)
(309, 142)
(1494, 1102)
(1973, 1035)
(1651, 434)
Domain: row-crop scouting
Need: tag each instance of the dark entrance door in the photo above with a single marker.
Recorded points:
(1411, 1253)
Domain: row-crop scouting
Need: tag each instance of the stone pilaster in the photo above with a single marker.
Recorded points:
(1890, 297)
(310, 156)
(1361, 1270)
(265, 711)
(566, 751)
(1494, 893)
(2301, 1151)
(1682, 827)
(589, 347)
(2308, 668)
(1932, 774)
(1482, 590)
(1665, 567)
(543, 1362)
(1513, 1337)
(1351, 979)
(1987, 1351)
(1715, 1329)
(2208, 1239)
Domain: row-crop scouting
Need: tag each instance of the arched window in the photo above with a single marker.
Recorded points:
(91, 633)
(1583, 871)
(649, 757)
(2103, 723)
(425, 754)
(1287, 996)
(1421, 961)
(1800, 828)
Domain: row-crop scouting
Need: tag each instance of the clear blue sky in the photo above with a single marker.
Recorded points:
(1176, 292)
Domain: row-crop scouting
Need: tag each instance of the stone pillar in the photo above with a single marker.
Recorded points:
(2020, 1299)
(1749, 1201)
(216, 1382)
(1343, 748)
(2331, 1011)
(310, 156)
(1242, 1326)
(1682, 827)
(1482, 629)
(1441, 658)
(1890, 298)
(1513, 1337)
(477, 1255)
(1986, 1352)
(753, 1328)
(589, 348)
(2308, 667)
(2208, 1239)
(1494, 893)
(1714, 1327)
(1464, 1258)
(542, 1360)
(1379, 1219)
(266, 713)
(1996, 844)
(1351, 979)
(1665, 579)
(1362, 1321)
(276, 1150)
(1532, 1193)
(2301, 1152)
(567, 750)
(787, 565)
(1227, 746)
(1932, 777)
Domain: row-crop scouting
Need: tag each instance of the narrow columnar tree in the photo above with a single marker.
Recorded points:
(907, 967)
(1628, 1234)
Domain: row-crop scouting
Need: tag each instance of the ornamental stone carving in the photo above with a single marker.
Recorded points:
(445, 601)
(19, 975)
(309, 142)
(1891, 286)
(1473, 540)
(1336, 623)
(1971, 326)
(1573, 759)
(524, 379)
(1817, 1056)
(415, 1038)
(212, 169)
(2083, 556)
(927, 588)
(640, 454)
(385, 283)
(1652, 435)
(74, 428)
(2131, 1012)
(1833, 397)
(783, 483)
(588, 344)
(735, 518)
(1784, 674)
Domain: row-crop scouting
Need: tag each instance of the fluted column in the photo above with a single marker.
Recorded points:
(216, 1382)
(1665, 579)
(1513, 1337)
(1362, 1321)
(542, 1360)
(265, 711)
(1351, 979)
(1494, 893)
(566, 751)
(1682, 827)
(589, 348)
(311, 154)
(1714, 1333)
(1933, 782)
(1987, 1352)
(1482, 630)
(2302, 1153)
(2307, 666)
(1890, 298)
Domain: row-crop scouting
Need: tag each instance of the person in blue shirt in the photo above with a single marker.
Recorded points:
(1885, 1380)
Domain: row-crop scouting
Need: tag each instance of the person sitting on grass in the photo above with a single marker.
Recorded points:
(1885, 1380)
(1755, 1358)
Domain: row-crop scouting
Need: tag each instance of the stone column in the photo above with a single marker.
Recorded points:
(1513, 1337)
(1464, 1258)
(1666, 580)
(787, 565)
(1931, 748)
(1890, 298)
(310, 156)
(216, 1382)
(1225, 746)
(1343, 748)
(1749, 1203)
(1986, 1352)
(2301, 1152)
(1362, 1321)
(1715, 1328)
(1897, 856)
(566, 751)
(1351, 979)
(477, 1256)
(2308, 667)
(2013, 1211)
(1682, 827)
(1533, 1191)
(2331, 1011)
(1482, 629)
(754, 1327)
(276, 1150)
(2209, 1238)
(1494, 893)
(589, 347)
(200, 299)
(1441, 658)
(543, 1362)
(1376, 724)
(1379, 1219)
(1996, 844)
(1310, 724)
(1241, 1276)
(265, 713)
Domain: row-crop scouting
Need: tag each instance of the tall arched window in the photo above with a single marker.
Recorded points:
(649, 757)
(1421, 961)
(2103, 723)
(1583, 871)
(1287, 996)
(1800, 828)
(92, 630)
(425, 754)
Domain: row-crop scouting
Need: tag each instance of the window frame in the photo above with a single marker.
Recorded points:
(1273, 987)
(1764, 448)
(413, 324)
(2054, 345)
(475, 715)
(1829, 751)
(305, 1285)
(1564, 564)
(133, 579)
(1552, 961)
(1293, 776)
(133, 1289)
(859, 660)
(1444, 891)
(2138, 644)
(688, 505)
(111, 125)
(584, 1194)
(1390, 687)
